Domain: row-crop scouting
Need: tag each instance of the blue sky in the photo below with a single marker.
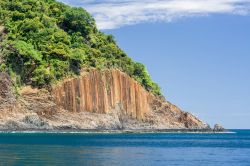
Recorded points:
(198, 51)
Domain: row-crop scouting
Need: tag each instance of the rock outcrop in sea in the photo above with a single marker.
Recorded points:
(95, 100)
(218, 128)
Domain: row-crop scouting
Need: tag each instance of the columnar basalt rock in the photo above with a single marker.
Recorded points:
(100, 91)
(95, 100)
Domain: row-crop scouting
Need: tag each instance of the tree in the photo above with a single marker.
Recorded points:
(24, 59)
(78, 20)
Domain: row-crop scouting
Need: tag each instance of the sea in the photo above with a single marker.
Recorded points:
(122, 149)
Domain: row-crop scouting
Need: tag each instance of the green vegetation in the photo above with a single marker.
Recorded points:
(46, 41)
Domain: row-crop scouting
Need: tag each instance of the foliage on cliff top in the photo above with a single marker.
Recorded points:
(46, 41)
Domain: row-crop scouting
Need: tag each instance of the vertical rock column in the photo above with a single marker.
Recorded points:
(100, 91)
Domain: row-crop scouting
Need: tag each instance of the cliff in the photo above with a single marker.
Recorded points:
(100, 91)
(95, 100)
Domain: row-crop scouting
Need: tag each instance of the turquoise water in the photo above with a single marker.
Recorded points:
(126, 149)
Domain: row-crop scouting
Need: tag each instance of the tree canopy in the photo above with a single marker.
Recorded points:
(46, 41)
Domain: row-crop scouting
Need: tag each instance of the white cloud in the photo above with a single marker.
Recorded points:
(110, 14)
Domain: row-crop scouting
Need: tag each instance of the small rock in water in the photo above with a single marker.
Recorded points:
(218, 127)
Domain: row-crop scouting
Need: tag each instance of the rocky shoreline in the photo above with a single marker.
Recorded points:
(93, 131)
(217, 129)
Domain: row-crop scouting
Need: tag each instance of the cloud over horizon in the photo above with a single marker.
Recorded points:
(111, 14)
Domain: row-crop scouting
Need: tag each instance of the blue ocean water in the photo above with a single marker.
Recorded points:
(126, 149)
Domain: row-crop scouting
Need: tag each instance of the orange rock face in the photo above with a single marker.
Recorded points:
(101, 91)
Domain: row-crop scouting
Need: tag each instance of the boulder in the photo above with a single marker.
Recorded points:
(218, 128)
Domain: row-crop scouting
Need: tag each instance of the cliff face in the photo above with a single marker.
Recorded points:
(103, 100)
(100, 91)
(103, 92)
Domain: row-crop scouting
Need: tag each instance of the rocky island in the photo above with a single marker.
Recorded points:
(58, 72)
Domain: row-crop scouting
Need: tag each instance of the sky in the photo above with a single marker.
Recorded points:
(198, 51)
